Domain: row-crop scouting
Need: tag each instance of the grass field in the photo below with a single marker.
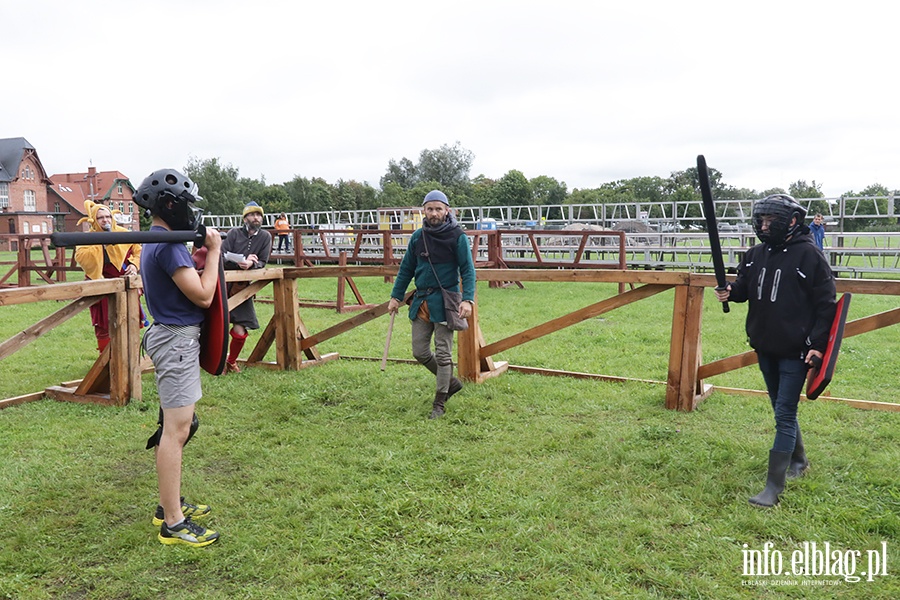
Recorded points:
(331, 483)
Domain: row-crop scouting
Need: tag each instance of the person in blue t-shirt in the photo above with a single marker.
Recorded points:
(176, 295)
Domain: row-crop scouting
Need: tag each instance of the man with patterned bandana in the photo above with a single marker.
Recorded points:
(438, 255)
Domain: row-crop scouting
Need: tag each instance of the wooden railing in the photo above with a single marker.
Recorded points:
(51, 267)
(115, 376)
(850, 254)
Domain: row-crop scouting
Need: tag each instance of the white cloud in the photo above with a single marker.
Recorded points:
(584, 92)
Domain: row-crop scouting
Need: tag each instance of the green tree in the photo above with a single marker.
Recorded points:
(402, 173)
(513, 189)
(482, 192)
(393, 194)
(876, 189)
(690, 177)
(448, 165)
(274, 199)
(547, 190)
(352, 195)
(872, 200)
(770, 191)
(308, 195)
(251, 190)
(217, 185)
(587, 196)
(800, 189)
(418, 193)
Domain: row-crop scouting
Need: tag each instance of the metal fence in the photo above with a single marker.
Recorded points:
(844, 213)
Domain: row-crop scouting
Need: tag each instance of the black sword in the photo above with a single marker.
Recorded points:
(97, 238)
(709, 212)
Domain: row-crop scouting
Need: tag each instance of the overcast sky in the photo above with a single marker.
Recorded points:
(583, 91)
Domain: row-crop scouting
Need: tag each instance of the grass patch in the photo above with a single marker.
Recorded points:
(331, 483)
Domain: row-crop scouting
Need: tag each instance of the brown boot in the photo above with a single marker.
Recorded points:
(437, 409)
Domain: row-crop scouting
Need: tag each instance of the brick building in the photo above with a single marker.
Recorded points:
(105, 187)
(33, 202)
(23, 191)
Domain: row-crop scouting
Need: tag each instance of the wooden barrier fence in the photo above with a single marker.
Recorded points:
(115, 377)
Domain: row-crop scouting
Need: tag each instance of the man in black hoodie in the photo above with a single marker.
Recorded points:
(791, 292)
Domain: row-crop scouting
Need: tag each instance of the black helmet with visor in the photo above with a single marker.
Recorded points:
(778, 212)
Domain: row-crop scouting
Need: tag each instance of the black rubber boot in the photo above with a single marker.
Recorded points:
(437, 409)
(455, 386)
(799, 463)
(778, 466)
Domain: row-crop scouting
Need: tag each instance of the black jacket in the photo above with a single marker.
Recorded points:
(791, 294)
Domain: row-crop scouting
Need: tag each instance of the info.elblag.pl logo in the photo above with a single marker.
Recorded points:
(812, 559)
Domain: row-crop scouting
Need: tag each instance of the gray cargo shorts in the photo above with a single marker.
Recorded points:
(175, 352)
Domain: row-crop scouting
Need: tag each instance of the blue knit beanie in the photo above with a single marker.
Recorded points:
(435, 196)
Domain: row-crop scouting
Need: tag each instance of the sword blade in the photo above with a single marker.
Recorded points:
(712, 228)
(98, 238)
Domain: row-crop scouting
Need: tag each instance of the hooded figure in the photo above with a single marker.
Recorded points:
(105, 262)
(91, 258)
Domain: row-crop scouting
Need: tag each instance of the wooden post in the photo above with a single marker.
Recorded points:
(119, 388)
(23, 277)
(341, 282)
(495, 254)
(683, 384)
(287, 341)
(133, 323)
(388, 245)
(468, 350)
(471, 364)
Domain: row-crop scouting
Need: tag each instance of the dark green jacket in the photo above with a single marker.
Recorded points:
(416, 267)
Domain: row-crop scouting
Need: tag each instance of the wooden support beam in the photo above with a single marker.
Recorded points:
(321, 360)
(578, 375)
(588, 312)
(472, 362)
(344, 326)
(246, 293)
(288, 354)
(852, 328)
(6, 403)
(676, 348)
(669, 278)
(683, 386)
(341, 282)
(61, 291)
(71, 395)
(265, 341)
(97, 378)
(118, 366)
(468, 349)
(134, 323)
(723, 365)
(30, 334)
(872, 322)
